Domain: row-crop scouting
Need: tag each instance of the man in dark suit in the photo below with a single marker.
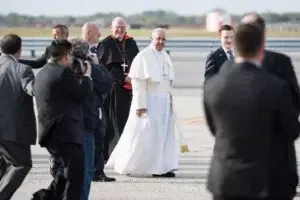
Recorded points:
(277, 63)
(245, 107)
(281, 66)
(17, 120)
(60, 94)
(215, 59)
(59, 31)
(91, 34)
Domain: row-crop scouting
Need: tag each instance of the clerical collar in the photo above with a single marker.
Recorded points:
(117, 39)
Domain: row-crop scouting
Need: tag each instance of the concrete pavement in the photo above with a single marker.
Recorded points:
(191, 177)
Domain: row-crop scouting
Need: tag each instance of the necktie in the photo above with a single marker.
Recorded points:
(93, 49)
(230, 55)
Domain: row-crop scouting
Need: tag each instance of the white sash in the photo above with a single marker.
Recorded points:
(183, 144)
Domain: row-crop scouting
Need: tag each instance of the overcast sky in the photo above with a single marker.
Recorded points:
(76, 7)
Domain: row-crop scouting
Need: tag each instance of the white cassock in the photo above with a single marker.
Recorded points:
(148, 144)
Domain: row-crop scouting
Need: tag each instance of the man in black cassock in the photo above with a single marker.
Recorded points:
(116, 53)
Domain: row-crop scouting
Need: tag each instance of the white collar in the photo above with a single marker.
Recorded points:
(226, 50)
(93, 45)
(16, 60)
(255, 62)
(252, 61)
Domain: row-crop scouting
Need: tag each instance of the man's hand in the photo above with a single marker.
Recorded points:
(140, 112)
(88, 71)
(94, 58)
(127, 79)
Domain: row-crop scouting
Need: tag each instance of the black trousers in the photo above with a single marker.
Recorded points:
(67, 183)
(117, 107)
(124, 98)
(99, 147)
(55, 166)
(15, 163)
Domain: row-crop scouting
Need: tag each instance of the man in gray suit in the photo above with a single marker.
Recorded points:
(17, 120)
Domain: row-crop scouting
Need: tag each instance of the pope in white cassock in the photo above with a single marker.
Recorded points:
(148, 143)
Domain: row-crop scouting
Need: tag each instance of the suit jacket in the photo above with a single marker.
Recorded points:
(101, 77)
(17, 119)
(60, 95)
(40, 62)
(102, 86)
(214, 62)
(103, 82)
(245, 107)
(281, 66)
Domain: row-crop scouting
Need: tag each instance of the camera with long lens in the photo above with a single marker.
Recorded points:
(79, 64)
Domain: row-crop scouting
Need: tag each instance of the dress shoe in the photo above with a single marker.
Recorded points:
(103, 178)
(40, 195)
(166, 175)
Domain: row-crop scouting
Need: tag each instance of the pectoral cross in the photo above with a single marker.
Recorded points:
(124, 66)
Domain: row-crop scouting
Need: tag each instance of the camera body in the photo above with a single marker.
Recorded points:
(79, 64)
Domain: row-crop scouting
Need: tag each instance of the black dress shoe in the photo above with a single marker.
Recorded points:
(166, 175)
(103, 178)
(41, 194)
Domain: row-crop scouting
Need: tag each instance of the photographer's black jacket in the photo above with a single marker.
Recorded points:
(102, 85)
(60, 95)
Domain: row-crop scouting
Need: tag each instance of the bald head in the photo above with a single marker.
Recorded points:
(90, 32)
(254, 19)
(89, 26)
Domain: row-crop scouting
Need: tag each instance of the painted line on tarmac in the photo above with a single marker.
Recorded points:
(196, 120)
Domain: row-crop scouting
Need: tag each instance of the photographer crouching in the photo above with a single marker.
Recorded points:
(60, 94)
(90, 109)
